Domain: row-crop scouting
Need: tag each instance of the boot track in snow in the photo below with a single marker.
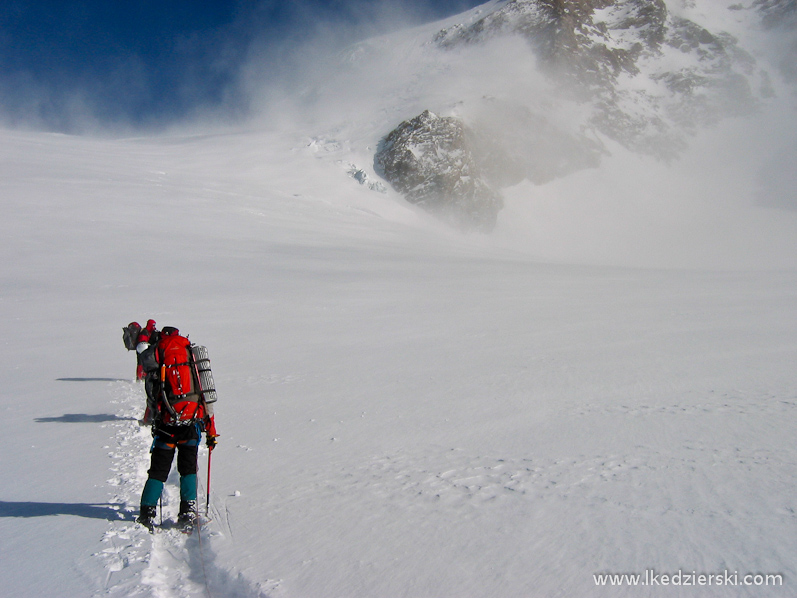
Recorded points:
(167, 563)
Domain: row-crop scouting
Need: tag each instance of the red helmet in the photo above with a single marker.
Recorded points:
(151, 324)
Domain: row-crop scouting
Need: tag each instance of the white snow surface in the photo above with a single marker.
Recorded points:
(605, 384)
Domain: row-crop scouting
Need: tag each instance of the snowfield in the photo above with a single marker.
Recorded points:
(404, 411)
(604, 385)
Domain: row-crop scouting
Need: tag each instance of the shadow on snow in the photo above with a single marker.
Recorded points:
(82, 418)
(105, 511)
(92, 380)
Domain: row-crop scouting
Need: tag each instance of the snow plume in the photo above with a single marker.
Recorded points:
(704, 210)
(338, 62)
(94, 65)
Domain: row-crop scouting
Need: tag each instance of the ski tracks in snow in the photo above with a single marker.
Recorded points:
(168, 563)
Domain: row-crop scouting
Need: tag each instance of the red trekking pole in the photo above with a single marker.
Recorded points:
(207, 494)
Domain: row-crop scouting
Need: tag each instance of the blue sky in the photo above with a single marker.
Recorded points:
(68, 65)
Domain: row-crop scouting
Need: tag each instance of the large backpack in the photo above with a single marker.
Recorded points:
(130, 335)
(177, 375)
(185, 373)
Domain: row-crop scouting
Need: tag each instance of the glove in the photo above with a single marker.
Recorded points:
(211, 440)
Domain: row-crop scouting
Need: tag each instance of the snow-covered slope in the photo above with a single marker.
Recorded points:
(603, 385)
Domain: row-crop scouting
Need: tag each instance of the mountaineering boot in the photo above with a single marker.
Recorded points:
(146, 517)
(187, 517)
(187, 512)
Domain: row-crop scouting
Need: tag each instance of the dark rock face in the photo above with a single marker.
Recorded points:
(430, 160)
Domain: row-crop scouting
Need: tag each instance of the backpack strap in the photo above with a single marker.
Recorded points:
(164, 398)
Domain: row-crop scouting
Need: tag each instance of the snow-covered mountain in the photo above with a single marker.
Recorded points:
(550, 87)
(602, 385)
(650, 75)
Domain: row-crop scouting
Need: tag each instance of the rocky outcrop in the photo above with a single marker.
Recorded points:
(456, 171)
(431, 161)
(574, 38)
